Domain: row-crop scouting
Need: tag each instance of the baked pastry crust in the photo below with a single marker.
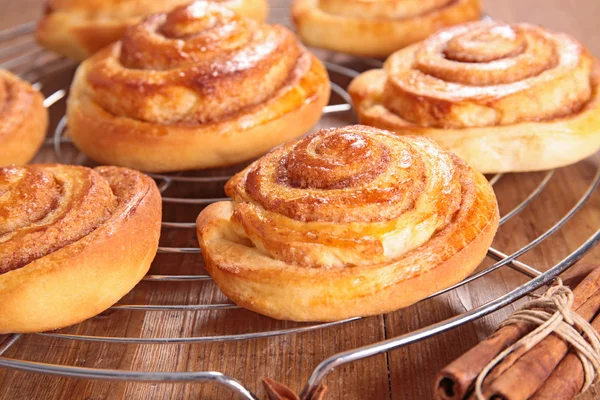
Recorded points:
(23, 120)
(347, 222)
(73, 241)
(196, 88)
(79, 28)
(504, 98)
(376, 28)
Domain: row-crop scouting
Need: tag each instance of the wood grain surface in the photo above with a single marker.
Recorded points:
(406, 373)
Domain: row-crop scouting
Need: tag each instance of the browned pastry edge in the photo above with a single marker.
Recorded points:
(86, 277)
(77, 36)
(25, 121)
(375, 37)
(161, 148)
(529, 145)
(337, 259)
(295, 293)
(526, 146)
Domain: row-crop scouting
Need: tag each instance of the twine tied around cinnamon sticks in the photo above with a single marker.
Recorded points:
(516, 363)
(552, 313)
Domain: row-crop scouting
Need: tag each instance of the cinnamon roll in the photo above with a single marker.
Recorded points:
(23, 120)
(79, 28)
(377, 28)
(347, 222)
(73, 241)
(503, 97)
(196, 88)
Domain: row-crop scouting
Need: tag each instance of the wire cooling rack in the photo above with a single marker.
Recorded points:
(19, 53)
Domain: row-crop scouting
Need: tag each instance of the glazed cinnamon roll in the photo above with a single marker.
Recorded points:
(196, 88)
(347, 222)
(503, 97)
(23, 120)
(79, 28)
(377, 27)
(73, 241)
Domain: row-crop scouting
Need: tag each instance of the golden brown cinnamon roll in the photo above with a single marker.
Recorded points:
(376, 27)
(79, 28)
(196, 88)
(502, 97)
(23, 120)
(73, 241)
(347, 222)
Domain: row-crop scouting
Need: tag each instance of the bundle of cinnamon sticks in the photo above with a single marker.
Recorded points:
(550, 370)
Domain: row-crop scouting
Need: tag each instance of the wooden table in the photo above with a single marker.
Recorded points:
(405, 373)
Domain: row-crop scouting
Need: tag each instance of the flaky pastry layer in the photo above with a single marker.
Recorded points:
(504, 98)
(23, 120)
(347, 222)
(79, 28)
(196, 88)
(73, 241)
(376, 28)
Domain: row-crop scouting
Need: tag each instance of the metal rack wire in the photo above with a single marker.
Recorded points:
(19, 53)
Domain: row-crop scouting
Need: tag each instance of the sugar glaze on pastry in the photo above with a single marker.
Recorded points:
(347, 222)
(376, 28)
(199, 87)
(23, 120)
(503, 97)
(79, 28)
(73, 241)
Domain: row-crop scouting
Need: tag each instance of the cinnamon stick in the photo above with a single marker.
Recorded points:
(455, 381)
(567, 380)
(519, 379)
(577, 273)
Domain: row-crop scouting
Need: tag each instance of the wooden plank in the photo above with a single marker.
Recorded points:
(291, 359)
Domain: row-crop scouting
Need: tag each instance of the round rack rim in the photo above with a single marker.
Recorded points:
(25, 53)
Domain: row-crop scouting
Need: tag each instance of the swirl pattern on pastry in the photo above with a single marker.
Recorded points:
(79, 28)
(377, 27)
(347, 222)
(73, 241)
(503, 97)
(23, 120)
(196, 88)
